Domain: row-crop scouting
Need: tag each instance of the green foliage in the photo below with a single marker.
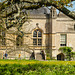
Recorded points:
(68, 52)
(48, 58)
(34, 4)
(37, 69)
(66, 49)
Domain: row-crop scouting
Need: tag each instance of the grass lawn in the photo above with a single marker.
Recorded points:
(25, 62)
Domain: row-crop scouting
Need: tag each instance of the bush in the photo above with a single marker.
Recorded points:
(37, 69)
(47, 58)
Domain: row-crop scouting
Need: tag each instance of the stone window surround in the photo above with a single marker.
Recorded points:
(40, 38)
(3, 40)
(64, 40)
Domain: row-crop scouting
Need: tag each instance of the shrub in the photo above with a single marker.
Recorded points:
(68, 52)
(37, 69)
(47, 58)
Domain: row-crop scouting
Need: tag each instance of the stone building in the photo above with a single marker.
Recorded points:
(44, 34)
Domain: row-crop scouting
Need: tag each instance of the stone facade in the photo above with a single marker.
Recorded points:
(51, 25)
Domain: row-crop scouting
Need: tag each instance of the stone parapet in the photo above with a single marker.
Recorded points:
(37, 16)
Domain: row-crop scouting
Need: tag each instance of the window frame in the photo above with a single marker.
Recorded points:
(19, 41)
(37, 37)
(3, 40)
(74, 27)
(64, 40)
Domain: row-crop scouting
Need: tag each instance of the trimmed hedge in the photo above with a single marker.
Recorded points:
(36, 69)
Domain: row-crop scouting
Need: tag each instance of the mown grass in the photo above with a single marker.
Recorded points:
(32, 67)
(25, 62)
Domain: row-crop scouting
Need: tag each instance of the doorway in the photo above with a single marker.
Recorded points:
(60, 56)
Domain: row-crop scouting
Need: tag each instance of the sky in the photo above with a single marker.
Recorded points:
(70, 8)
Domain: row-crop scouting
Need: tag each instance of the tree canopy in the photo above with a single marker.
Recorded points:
(9, 7)
(34, 4)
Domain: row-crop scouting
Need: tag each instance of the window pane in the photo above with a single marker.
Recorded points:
(19, 41)
(3, 34)
(39, 34)
(74, 27)
(34, 41)
(35, 34)
(3, 39)
(62, 44)
(63, 36)
(39, 41)
(63, 40)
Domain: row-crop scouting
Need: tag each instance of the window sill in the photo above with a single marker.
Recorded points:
(37, 45)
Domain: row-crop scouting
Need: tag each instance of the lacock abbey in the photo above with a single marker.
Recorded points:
(43, 33)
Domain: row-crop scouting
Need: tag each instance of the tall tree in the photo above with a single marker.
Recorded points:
(31, 4)
(9, 7)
